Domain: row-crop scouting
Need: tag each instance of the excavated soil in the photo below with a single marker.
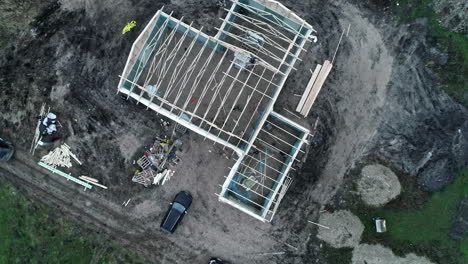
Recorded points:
(380, 99)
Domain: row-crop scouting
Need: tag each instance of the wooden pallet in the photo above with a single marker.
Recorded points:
(144, 162)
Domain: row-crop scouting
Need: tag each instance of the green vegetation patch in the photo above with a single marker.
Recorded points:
(30, 233)
(337, 255)
(423, 229)
(453, 75)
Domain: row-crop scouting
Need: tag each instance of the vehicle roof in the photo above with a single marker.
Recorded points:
(4, 144)
(184, 198)
(173, 216)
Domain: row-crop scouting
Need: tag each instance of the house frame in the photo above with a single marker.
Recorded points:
(192, 78)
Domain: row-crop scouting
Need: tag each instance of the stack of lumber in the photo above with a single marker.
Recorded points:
(316, 82)
(60, 157)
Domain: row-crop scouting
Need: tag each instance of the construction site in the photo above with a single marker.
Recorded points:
(277, 117)
(224, 88)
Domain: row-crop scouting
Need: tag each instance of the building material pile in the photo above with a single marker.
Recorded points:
(163, 177)
(155, 164)
(150, 176)
(60, 157)
(145, 177)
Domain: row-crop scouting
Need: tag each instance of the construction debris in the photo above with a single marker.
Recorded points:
(164, 176)
(145, 177)
(144, 162)
(161, 154)
(155, 164)
(149, 176)
(60, 157)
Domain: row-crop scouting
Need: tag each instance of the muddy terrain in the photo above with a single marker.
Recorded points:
(380, 100)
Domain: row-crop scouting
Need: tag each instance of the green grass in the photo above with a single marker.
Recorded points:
(423, 230)
(453, 75)
(337, 255)
(432, 222)
(31, 233)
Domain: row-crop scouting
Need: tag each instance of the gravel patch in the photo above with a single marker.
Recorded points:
(345, 229)
(378, 185)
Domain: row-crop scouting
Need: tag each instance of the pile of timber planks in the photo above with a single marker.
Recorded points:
(60, 157)
(316, 82)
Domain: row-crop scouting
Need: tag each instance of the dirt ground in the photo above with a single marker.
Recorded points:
(380, 100)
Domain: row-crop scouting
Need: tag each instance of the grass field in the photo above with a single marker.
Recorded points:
(423, 230)
(31, 233)
(453, 76)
